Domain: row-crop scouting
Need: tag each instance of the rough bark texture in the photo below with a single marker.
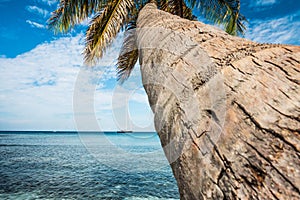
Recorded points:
(226, 108)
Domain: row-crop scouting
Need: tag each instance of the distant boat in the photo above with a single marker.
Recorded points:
(123, 131)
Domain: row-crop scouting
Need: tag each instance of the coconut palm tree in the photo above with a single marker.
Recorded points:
(226, 109)
(108, 17)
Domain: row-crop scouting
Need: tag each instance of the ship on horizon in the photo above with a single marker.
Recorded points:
(124, 131)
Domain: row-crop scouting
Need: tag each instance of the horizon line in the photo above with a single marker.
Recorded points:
(73, 131)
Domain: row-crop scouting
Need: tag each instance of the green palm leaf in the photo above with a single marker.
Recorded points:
(104, 28)
(226, 12)
(176, 7)
(72, 12)
(110, 16)
(128, 55)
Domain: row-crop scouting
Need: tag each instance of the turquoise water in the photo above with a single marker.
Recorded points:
(84, 166)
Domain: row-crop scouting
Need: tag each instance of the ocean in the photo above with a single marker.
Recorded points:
(71, 165)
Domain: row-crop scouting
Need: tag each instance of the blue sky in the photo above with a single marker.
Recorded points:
(41, 72)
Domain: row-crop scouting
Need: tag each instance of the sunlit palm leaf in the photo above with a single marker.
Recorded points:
(176, 7)
(128, 55)
(104, 28)
(164, 5)
(72, 12)
(109, 16)
(187, 12)
(225, 12)
(131, 19)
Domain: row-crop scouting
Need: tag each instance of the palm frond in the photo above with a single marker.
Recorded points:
(141, 3)
(226, 12)
(104, 27)
(128, 55)
(176, 7)
(130, 21)
(187, 12)
(164, 5)
(72, 12)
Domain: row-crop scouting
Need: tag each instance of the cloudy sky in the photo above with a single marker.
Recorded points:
(44, 85)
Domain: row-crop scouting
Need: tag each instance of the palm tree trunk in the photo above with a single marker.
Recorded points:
(226, 109)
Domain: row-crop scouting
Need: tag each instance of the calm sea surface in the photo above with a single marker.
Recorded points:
(39, 165)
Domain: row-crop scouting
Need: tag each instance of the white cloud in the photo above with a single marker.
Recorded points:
(264, 2)
(261, 5)
(34, 9)
(35, 24)
(49, 2)
(280, 30)
(37, 88)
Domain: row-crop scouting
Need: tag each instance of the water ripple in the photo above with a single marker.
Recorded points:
(54, 166)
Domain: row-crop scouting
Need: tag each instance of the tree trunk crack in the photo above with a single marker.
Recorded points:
(294, 59)
(179, 81)
(262, 83)
(255, 62)
(231, 88)
(285, 94)
(195, 143)
(236, 68)
(288, 116)
(260, 173)
(294, 80)
(268, 130)
(263, 69)
(224, 160)
(290, 129)
(249, 183)
(277, 170)
(272, 193)
(278, 66)
(213, 115)
(287, 49)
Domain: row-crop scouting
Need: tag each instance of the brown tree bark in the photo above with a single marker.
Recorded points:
(226, 109)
